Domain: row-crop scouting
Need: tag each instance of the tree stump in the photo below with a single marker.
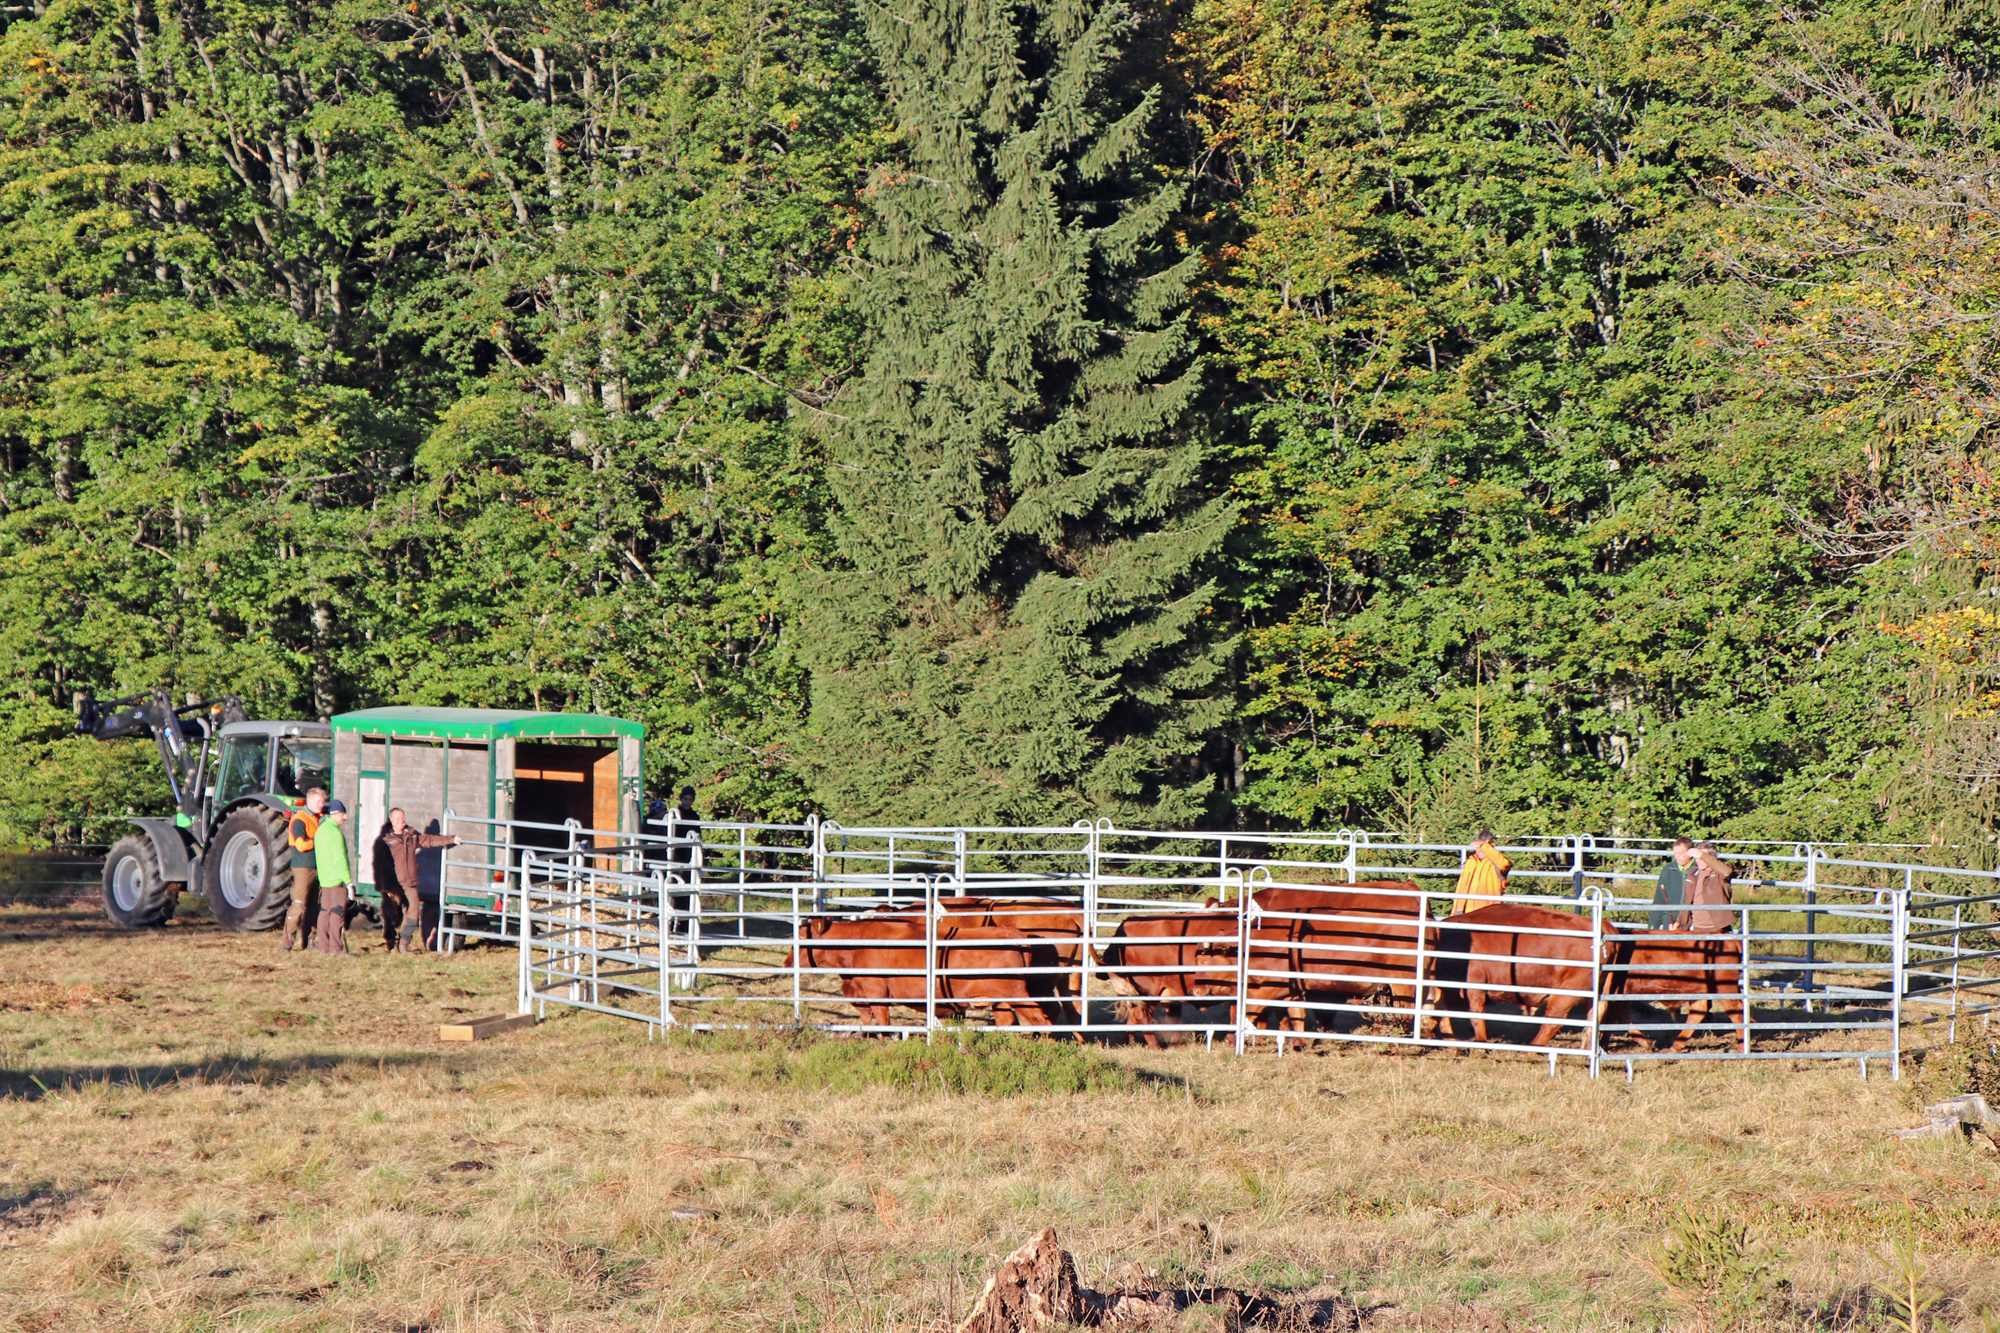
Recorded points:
(1036, 1288)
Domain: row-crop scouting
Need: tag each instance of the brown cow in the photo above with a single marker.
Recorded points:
(1371, 946)
(1348, 941)
(1534, 949)
(879, 945)
(1157, 956)
(1634, 963)
(1057, 920)
(1705, 972)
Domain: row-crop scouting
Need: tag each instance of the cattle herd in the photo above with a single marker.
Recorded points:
(1301, 948)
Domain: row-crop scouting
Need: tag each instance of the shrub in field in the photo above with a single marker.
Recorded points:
(963, 1062)
(1708, 1264)
(1910, 1300)
(1970, 1064)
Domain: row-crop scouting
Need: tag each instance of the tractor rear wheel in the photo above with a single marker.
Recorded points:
(135, 896)
(248, 870)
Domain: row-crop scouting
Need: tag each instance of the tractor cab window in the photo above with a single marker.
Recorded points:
(245, 761)
(304, 764)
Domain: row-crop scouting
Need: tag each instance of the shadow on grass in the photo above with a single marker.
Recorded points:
(32, 1085)
(37, 1205)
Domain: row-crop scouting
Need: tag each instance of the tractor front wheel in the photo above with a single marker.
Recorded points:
(248, 870)
(135, 896)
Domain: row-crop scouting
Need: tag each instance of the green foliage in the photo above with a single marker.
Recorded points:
(1910, 1301)
(1017, 636)
(71, 791)
(1708, 1264)
(360, 353)
(1411, 415)
(1950, 1068)
(958, 1061)
(1511, 562)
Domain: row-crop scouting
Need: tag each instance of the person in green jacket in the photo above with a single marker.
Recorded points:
(1672, 886)
(335, 877)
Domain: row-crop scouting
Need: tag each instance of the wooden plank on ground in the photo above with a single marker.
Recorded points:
(479, 1029)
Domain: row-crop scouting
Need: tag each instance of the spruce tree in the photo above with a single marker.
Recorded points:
(1018, 632)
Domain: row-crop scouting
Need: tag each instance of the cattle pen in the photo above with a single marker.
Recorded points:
(1100, 932)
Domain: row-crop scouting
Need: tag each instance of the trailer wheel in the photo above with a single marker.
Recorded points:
(134, 894)
(248, 870)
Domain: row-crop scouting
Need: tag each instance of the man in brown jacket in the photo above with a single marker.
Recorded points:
(1708, 885)
(399, 902)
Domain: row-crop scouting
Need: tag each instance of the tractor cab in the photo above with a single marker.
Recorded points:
(284, 759)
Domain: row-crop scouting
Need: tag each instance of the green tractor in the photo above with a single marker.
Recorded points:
(235, 784)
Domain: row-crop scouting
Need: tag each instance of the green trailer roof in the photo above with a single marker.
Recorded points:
(482, 723)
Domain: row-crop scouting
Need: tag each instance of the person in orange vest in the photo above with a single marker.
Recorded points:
(305, 869)
(1484, 878)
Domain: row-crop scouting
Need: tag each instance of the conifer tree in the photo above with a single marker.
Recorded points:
(1018, 633)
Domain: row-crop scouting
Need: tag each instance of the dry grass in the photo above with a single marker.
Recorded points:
(256, 1140)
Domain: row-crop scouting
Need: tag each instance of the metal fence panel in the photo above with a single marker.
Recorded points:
(1093, 930)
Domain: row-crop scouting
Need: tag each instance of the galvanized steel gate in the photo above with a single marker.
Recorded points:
(695, 926)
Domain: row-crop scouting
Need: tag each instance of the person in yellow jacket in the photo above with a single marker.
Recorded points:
(1484, 878)
(299, 833)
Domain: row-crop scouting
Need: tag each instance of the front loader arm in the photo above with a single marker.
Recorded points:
(182, 734)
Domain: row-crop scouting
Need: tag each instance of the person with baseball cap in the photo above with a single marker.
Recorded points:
(336, 876)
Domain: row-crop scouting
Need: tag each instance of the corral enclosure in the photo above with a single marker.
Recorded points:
(1832, 952)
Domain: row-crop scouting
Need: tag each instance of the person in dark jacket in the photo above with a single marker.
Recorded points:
(680, 854)
(1671, 888)
(401, 910)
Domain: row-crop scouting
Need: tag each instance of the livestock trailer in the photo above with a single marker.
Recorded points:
(468, 770)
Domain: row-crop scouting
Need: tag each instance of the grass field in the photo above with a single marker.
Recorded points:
(200, 1132)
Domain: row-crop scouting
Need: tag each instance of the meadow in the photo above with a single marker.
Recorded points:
(200, 1132)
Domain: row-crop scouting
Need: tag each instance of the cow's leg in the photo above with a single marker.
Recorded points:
(1145, 1014)
(1027, 1011)
(1475, 1000)
(865, 997)
(1737, 1010)
(1175, 988)
(1686, 1009)
(1558, 1008)
(1693, 1021)
(1732, 1009)
(1412, 995)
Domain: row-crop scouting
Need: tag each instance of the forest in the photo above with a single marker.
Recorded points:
(1394, 414)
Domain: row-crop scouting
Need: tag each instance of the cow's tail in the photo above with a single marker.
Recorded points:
(1614, 975)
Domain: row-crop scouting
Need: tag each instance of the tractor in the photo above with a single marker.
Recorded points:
(235, 784)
